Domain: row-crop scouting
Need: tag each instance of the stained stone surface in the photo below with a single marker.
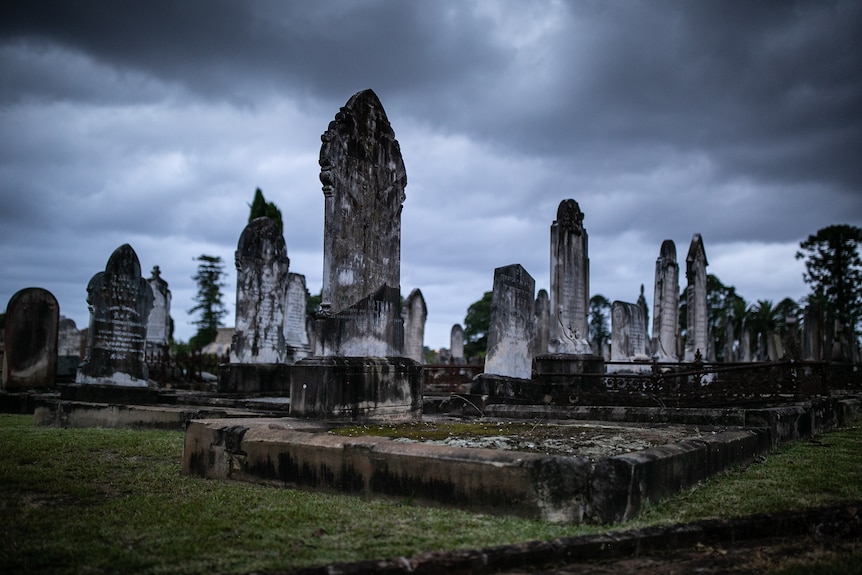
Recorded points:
(261, 284)
(30, 358)
(68, 338)
(511, 329)
(542, 314)
(628, 332)
(666, 303)
(159, 320)
(415, 312)
(570, 281)
(456, 344)
(120, 301)
(696, 338)
(295, 330)
(363, 179)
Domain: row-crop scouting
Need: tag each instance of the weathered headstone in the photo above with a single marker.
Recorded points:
(159, 321)
(643, 305)
(697, 321)
(296, 339)
(30, 358)
(511, 328)
(666, 303)
(570, 281)
(812, 332)
(415, 315)
(358, 371)
(456, 344)
(542, 313)
(120, 301)
(68, 350)
(628, 332)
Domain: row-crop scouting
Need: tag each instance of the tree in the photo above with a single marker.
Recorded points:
(261, 208)
(599, 332)
(833, 269)
(209, 300)
(476, 324)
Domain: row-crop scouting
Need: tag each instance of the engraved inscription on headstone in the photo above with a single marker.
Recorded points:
(628, 332)
(295, 333)
(511, 328)
(120, 301)
(30, 358)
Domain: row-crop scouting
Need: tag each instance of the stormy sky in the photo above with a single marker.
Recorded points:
(152, 123)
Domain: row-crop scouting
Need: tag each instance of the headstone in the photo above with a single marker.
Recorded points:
(542, 313)
(570, 282)
(159, 321)
(30, 358)
(261, 283)
(628, 332)
(363, 179)
(68, 350)
(812, 332)
(415, 312)
(456, 344)
(666, 303)
(296, 339)
(645, 309)
(358, 370)
(120, 301)
(511, 327)
(697, 328)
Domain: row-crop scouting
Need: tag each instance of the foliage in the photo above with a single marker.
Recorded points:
(312, 302)
(261, 208)
(833, 269)
(599, 330)
(476, 325)
(209, 300)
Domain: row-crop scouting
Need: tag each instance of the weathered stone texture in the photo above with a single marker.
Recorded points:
(570, 281)
(159, 320)
(120, 301)
(295, 319)
(511, 329)
(416, 313)
(261, 284)
(456, 344)
(628, 332)
(542, 313)
(665, 324)
(696, 338)
(30, 358)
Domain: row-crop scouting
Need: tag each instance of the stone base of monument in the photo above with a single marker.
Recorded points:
(255, 378)
(356, 388)
(502, 387)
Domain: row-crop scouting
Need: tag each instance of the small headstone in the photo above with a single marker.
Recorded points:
(812, 332)
(68, 338)
(295, 318)
(120, 301)
(570, 282)
(416, 313)
(159, 321)
(628, 332)
(697, 329)
(261, 283)
(456, 344)
(542, 314)
(511, 328)
(30, 358)
(666, 303)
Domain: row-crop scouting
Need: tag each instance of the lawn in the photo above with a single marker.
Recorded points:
(106, 501)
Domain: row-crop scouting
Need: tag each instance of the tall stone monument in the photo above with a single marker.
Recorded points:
(258, 353)
(456, 344)
(30, 358)
(415, 314)
(570, 281)
(512, 326)
(159, 320)
(696, 338)
(120, 301)
(665, 322)
(358, 371)
(542, 313)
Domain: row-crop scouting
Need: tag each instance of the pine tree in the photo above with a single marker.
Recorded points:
(261, 208)
(209, 300)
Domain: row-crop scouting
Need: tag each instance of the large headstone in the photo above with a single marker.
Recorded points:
(666, 303)
(628, 332)
(120, 301)
(30, 358)
(697, 328)
(570, 281)
(159, 321)
(542, 313)
(456, 344)
(511, 328)
(358, 370)
(415, 315)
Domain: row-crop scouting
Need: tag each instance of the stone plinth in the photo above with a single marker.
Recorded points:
(557, 373)
(251, 378)
(356, 388)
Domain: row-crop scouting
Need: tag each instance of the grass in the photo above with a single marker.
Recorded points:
(107, 501)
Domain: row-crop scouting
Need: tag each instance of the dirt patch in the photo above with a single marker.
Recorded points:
(593, 440)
